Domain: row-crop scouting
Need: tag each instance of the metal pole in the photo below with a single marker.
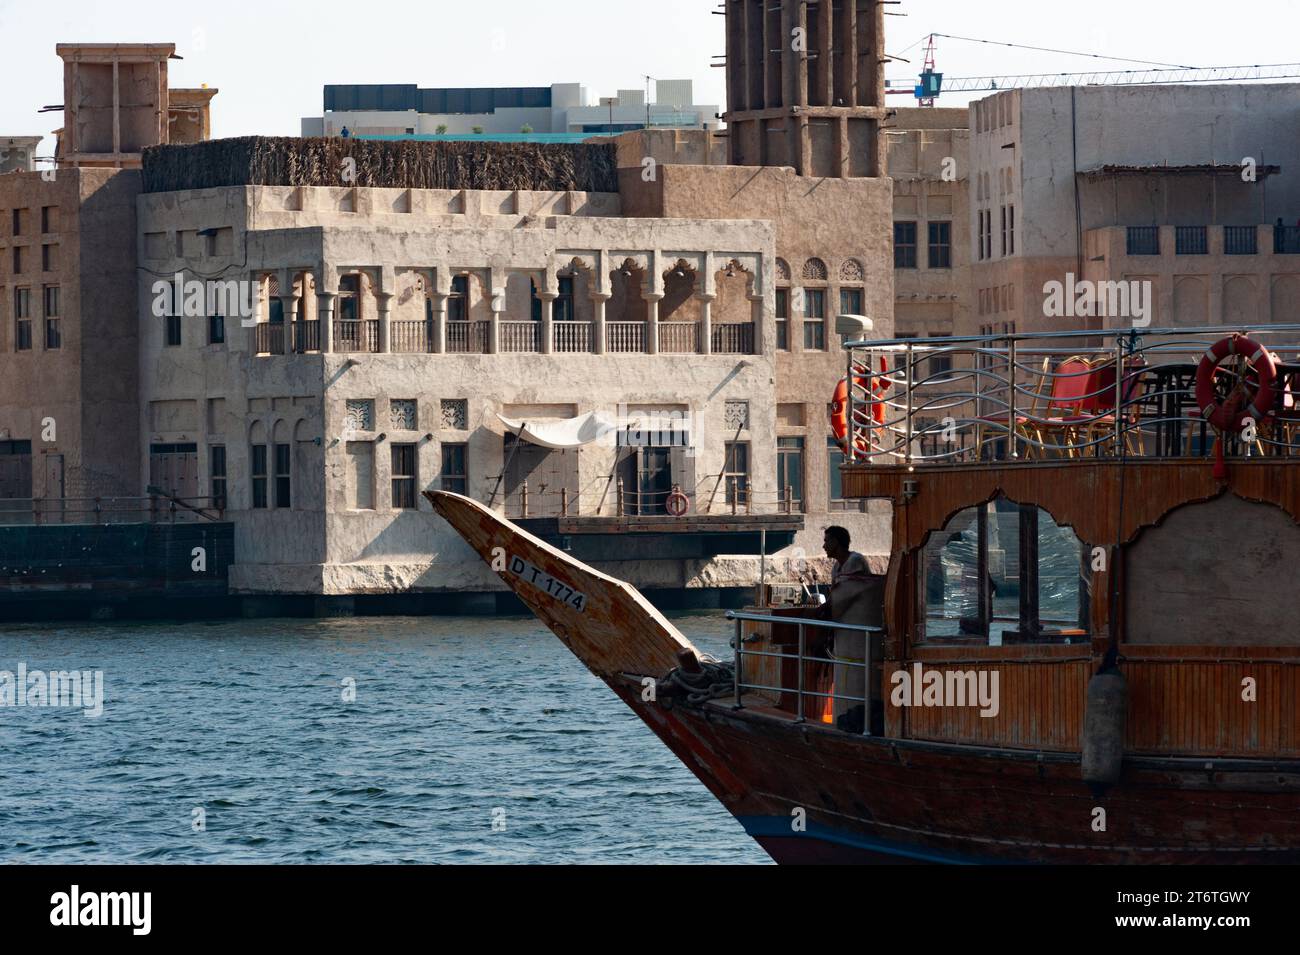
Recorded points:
(762, 564)
(1119, 397)
(908, 446)
(849, 438)
(739, 662)
(1011, 414)
(866, 685)
(799, 710)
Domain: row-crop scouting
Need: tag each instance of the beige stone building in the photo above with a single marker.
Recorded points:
(68, 358)
(929, 164)
(660, 317)
(1187, 188)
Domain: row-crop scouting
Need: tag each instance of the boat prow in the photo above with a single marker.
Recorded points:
(606, 622)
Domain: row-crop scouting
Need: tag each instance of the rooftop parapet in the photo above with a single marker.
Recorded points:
(333, 161)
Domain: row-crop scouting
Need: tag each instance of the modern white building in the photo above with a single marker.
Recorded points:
(565, 108)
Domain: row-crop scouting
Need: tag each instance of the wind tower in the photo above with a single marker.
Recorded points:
(806, 85)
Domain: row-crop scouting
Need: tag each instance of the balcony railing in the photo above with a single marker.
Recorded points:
(268, 339)
(568, 337)
(410, 337)
(356, 336)
(467, 337)
(1286, 240)
(1240, 240)
(573, 337)
(1191, 240)
(1061, 395)
(626, 336)
(1143, 240)
(733, 338)
(520, 336)
(678, 337)
(306, 336)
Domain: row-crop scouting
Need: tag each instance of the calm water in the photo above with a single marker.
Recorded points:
(455, 720)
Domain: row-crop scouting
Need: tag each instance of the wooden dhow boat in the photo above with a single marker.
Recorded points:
(1090, 649)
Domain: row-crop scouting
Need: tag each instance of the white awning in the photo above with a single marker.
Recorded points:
(561, 435)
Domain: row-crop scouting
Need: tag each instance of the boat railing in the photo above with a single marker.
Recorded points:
(1122, 393)
(802, 658)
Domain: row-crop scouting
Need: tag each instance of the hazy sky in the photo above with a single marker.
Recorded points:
(270, 60)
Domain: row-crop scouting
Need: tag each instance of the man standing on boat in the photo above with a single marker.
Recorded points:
(858, 597)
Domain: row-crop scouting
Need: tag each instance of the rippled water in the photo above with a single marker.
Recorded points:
(456, 721)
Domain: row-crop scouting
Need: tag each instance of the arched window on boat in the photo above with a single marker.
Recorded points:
(1003, 573)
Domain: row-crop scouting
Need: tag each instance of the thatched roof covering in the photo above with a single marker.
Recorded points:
(293, 161)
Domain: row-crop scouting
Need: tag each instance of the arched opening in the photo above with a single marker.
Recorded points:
(627, 311)
(733, 310)
(679, 310)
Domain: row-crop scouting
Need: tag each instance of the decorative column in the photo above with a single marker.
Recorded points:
(289, 308)
(384, 306)
(598, 301)
(438, 342)
(706, 324)
(498, 305)
(325, 312)
(652, 322)
(547, 331)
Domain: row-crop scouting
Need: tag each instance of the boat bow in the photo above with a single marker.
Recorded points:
(607, 624)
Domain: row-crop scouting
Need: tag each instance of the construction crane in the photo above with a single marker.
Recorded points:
(933, 83)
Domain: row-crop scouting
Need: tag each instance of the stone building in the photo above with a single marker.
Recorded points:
(68, 354)
(659, 317)
(929, 164)
(399, 339)
(1187, 188)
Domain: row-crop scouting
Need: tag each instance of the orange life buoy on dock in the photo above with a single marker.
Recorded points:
(677, 503)
(1224, 414)
(877, 385)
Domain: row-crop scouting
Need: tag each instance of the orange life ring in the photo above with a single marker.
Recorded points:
(677, 503)
(1224, 414)
(862, 378)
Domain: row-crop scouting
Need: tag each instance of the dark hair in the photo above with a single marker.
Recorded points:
(839, 534)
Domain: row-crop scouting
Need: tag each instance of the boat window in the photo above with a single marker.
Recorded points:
(1004, 573)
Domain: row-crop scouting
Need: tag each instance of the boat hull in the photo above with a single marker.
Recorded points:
(874, 800)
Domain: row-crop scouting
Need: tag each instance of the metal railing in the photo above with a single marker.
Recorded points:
(1286, 240)
(1053, 395)
(152, 509)
(801, 660)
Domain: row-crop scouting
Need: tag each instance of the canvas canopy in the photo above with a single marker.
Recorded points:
(561, 435)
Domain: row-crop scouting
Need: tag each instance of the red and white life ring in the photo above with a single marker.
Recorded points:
(677, 503)
(877, 385)
(1225, 415)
